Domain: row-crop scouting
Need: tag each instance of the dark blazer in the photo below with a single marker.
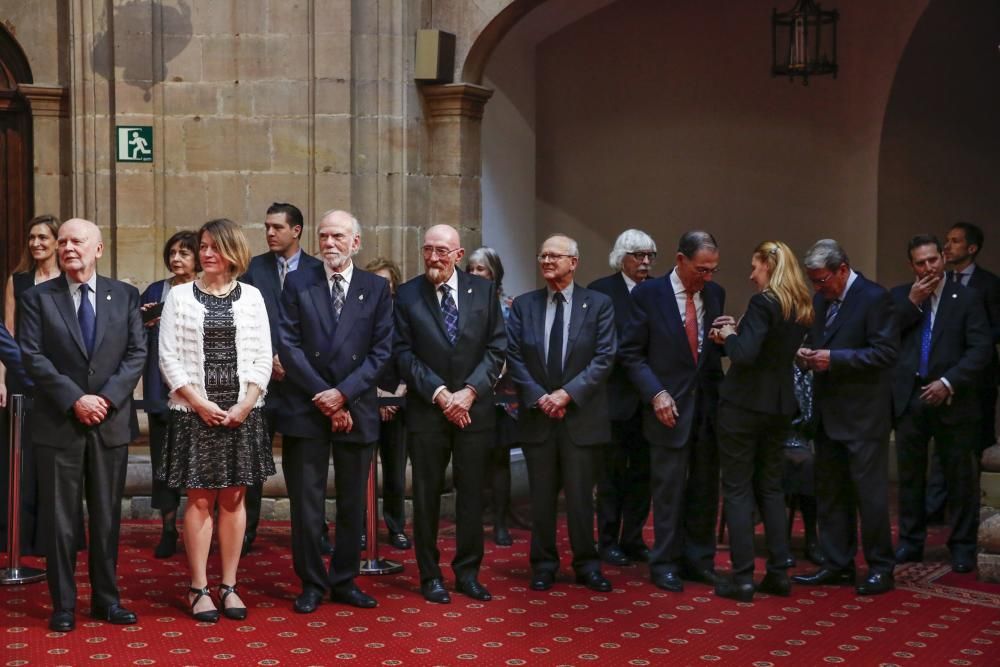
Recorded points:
(961, 343)
(427, 360)
(154, 390)
(655, 351)
(988, 285)
(263, 274)
(10, 356)
(590, 354)
(762, 354)
(622, 396)
(853, 398)
(319, 354)
(55, 358)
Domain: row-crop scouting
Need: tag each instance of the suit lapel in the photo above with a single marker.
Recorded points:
(430, 299)
(846, 309)
(64, 304)
(710, 310)
(538, 312)
(581, 304)
(354, 302)
(670, 312)
(943, 314)
(467, 295)
(103, 304)
(319, 292)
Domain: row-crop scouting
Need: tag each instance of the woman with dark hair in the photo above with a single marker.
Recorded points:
(757, 403)
(180, 256)
(215, 357)
(485, 263)
(38, 264)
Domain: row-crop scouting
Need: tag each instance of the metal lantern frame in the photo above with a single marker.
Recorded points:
(811, 45)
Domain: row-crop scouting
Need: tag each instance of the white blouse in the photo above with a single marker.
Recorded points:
(182, 330)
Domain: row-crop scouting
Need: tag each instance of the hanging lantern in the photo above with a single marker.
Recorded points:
(804, 41)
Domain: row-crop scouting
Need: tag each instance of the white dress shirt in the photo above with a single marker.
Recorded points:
(550, 316)
(680, 293)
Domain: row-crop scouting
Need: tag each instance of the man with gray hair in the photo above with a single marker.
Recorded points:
(853, 344)
(623, 485)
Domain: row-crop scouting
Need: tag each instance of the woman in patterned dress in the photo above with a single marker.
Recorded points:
(215, 357)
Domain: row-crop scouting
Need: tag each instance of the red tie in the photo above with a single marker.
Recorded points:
(691, 325)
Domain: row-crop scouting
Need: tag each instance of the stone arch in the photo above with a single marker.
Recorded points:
(491, 35)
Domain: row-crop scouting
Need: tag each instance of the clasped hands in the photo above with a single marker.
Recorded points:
(722, 328)
(554, 405)
(456, 405)
(333, 404)
(213, 415)
(814, 360)
(91, 409)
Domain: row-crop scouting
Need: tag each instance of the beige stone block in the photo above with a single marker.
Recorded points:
(182, 57)
(333, 55)
(444, 201)
(989, 489)
(333, 144)
(366, 145)
(133, 97)
(190, 99)
(173, 148)
(235, 57)
(364, 197)
(137, 249)
(989, 535)
(48, 144)
(176, 17)
(281, 98)
(235, 98)
(226, 144)
(52, 194)
(394, 243)
(225, 196)
(366, 98)
(135, 200)
(444, 146)
(290, 145)
(365, 19)
(288, 17)
(133, 57)
(334, 15)
(233, 17)
(287, 57)
(184, 201)
(365, 57)
(391, 57)
(417, 199)
(333, 190)
(332, 96)
(264, 189)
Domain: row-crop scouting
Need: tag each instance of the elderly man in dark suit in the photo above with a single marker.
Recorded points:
(945, 346)
(450, 347)
(283, 225)
(335, 340)
(677, 370)
(561, 347)
(623, 484)
(84, 347)
(853, 345)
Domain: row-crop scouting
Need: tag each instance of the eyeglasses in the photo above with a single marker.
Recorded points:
(430, 251)
(821, 281)
(640, 256)
(705, 271)
(550, 257)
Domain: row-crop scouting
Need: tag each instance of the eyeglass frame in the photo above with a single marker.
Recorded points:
(640, 255)
(430, 251)
(551, 257)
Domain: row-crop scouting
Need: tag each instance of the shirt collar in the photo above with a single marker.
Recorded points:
(629, 283)
(567, 293)
(346, 274)
(851, 277)
(675, 282)
(451, 282)
(969, 270)
(291, 263)
(74, 286)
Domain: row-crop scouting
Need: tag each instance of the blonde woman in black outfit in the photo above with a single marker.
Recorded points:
(757, 403)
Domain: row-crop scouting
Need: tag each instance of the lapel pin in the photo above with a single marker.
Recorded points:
(470, 290)
(953, 295)
(361, 297)
(584, 306)
(109, 297)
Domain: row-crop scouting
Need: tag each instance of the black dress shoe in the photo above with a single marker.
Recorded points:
(307, 601)
(908, 554)
(789, 562)
(825, 577)
(876, 584)
(62, 621)
(702, 576)
(501, 536)
(775, 584)
(167, 546)
(247, 545)
(472, 588)
(742, 592)
(115, 614)
(542, 581)
(433, 590)
(595, 581)
(613, 555)
(325, 548)
(637, 554)
(668, 581)
(962, 565)
(355, 597)
(399, 541)
(814, 554)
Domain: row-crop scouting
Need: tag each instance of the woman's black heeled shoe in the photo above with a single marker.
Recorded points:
(210, 616)
(234, 613)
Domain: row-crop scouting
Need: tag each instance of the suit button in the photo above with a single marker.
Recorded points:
(90, 371)
(315, 354)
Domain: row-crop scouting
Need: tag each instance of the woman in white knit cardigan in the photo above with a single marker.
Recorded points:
(215, 357)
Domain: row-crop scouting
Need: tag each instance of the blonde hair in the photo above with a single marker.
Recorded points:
(230, 241)
(787, 282)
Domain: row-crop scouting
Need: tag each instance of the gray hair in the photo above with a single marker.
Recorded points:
(693, 241)
(574, 248)
(355, 225)
(825, 254)
(631, 240)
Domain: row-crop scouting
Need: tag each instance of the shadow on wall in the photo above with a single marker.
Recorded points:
(138, 19)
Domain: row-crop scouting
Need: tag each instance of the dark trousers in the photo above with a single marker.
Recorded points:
(392, 451)
(956, 450)
(852, 479)
(623, 486)
(97, 473)
(554, 464)
(988, 425)
(751, 457)
(429, 455)
(684, 482)
(165, 498)
(305, 462)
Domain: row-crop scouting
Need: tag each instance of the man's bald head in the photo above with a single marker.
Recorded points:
(79, 246)
(442, 250)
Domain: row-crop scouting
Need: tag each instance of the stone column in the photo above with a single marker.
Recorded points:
(454, 163)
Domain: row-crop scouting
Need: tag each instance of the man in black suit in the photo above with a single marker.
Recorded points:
(450, 347)
(335, 340)
(623, 484)
(561, 347)
(267, 272)
(945, 346)
(677, 370)
(84, 348)
(853, 345)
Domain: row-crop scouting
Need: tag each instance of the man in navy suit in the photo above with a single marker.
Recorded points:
(10, 357)
(677, 370)
(561, 345)
(283, 225)
(853, 345)
(946, 344)
(84, 348)
(335, 340)
(623, 484)
(450, 347)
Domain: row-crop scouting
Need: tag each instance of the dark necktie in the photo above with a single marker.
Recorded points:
(450, 313)
(955, 277)
(87, 318)
(925, 340)
(337, 295)
(831, 313)
(554, 359)
(691, 325)
(282, 271)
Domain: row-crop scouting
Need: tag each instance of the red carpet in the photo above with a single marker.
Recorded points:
(935, 618)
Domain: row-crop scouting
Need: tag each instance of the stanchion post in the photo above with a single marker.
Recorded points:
(15, 573)
(371, 563)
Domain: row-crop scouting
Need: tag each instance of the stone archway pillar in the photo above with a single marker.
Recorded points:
(454, 165)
